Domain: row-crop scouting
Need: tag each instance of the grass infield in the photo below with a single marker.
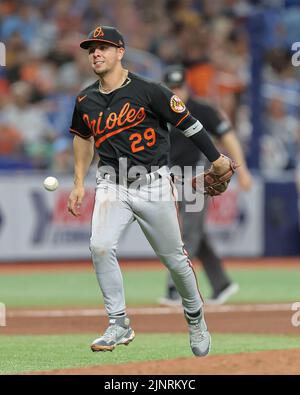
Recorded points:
(141, 287)
(35, 353)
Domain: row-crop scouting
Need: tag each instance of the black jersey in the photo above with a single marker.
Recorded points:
(130, 122)
(183, 152)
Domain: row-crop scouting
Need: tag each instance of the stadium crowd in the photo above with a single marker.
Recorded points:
(45, 68)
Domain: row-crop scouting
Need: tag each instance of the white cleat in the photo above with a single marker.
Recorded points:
(200, 339)
(114, 335)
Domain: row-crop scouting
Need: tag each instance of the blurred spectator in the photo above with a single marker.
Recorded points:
(281, 95)
(31, 123)
(280, 144)
(15, 56)
(62, 156)
(194, 42)
(208, 37)
(281, 79)
(10, 138)
(26, 20)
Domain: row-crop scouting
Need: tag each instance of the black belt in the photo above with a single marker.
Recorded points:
(144, 179)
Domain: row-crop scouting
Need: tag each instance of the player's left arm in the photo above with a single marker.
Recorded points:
(171, 108)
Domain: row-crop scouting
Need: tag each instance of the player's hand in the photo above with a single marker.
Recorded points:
(217, 177)
(75, 200)
(222, 164)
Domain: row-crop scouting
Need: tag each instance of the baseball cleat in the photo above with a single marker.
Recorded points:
(222, 296)
(200, 339)
(114, 335)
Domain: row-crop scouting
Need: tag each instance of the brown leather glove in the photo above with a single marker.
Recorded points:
(214, 183)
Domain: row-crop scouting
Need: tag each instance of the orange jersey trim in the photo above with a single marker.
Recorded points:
(186, 115)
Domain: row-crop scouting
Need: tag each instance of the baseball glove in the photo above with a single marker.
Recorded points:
(213, 183)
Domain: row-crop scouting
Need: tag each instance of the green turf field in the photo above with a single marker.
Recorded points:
(65, 351)
(142, 287)
(80, 289)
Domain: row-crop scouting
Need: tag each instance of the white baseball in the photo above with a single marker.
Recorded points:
(51, 183)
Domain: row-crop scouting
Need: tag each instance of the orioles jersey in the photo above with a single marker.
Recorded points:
(131, 122)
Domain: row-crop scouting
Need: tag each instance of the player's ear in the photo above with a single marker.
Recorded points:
(121, 52)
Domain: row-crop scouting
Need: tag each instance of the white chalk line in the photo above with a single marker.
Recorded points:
(149, 311)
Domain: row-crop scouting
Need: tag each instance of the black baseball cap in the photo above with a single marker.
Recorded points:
(105, 34)
(174, 76)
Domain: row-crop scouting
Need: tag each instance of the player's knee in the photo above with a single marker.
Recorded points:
(171, 263)
(101, 249)
(176, 264)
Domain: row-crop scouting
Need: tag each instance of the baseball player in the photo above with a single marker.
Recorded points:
(124, 117)
(183, 153)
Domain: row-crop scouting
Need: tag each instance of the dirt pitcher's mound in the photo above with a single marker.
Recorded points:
(263, 362)
(237, 321)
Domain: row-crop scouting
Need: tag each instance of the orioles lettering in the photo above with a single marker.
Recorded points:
(126, 118)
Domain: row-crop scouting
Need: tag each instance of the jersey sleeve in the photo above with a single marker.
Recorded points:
(78, 126)
(170, 108)
(215, 123)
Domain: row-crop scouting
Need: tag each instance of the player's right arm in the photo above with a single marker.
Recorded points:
(83, 148)
(83, 156)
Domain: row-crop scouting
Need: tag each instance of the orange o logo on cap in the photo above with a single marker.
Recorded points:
(98, 32)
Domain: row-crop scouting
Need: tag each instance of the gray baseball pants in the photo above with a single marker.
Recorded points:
(153, 206)
(198, 245)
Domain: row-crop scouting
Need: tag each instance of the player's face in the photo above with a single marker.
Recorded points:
(104, 57)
